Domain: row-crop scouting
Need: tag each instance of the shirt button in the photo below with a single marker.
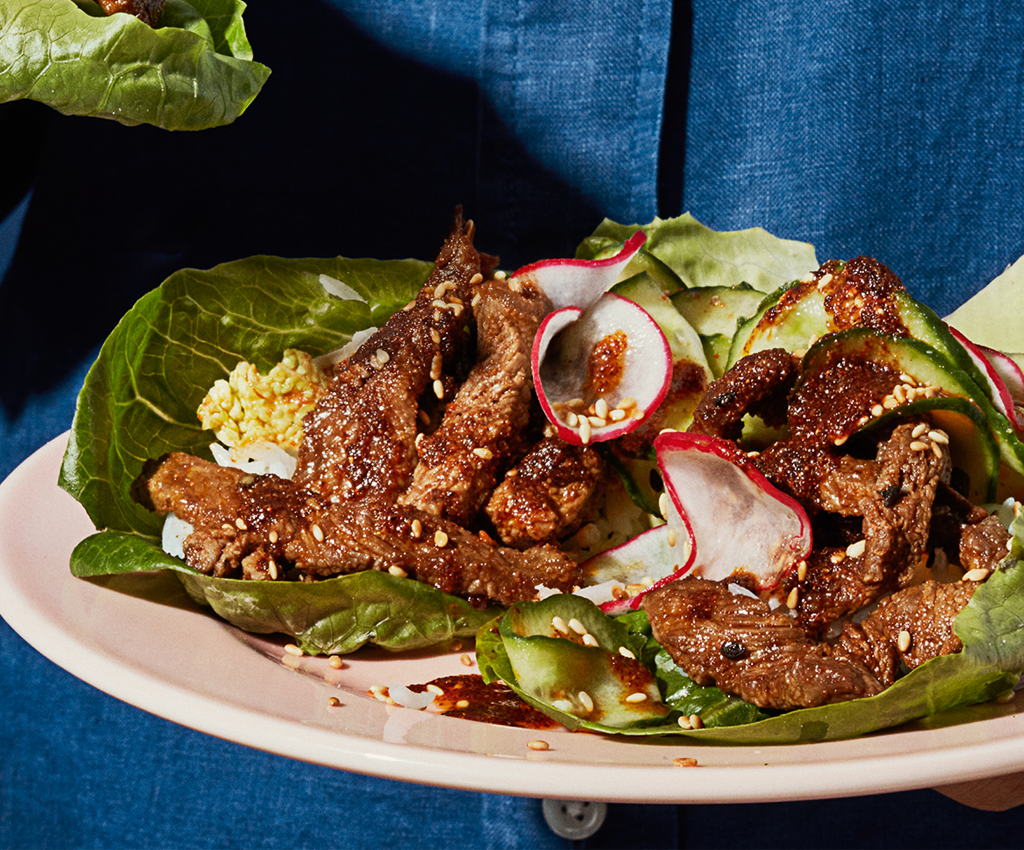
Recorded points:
(574, 819)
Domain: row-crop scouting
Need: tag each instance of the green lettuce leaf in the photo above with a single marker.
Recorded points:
(334, 616)
(194, 71)
(704, 257)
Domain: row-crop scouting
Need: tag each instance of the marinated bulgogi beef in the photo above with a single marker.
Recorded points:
(359, 441)
(260, 526)
(759, 385)
(545, 496)
(485, 428)
(738, 643)
(148, 11)
(375, 487)
(880, 510)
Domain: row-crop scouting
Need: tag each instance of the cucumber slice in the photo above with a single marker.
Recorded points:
(796, 315)
(718, 309)
(688, 384)
(643, 261)
(716, 312)
(976, 451)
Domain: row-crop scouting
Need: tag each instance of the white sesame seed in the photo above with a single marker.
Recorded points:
(272, 537)
(586, 701)
(601, 408)
(918, 446)
(435, 336)
(684, 722)
(335, 662)
(663, 505)
(670, 536)
(440, 539)
(538, 745)
(397, 571)
(977, 574)
(438, 389)
(272, 568)
(292, 649)
(436, 690)
(590, 640)
(793, 598)
(855, 550)
(240, 524)
(626, 653)
(584, 431)
(465, 660)
(382, 356)
(637, 697)
(903, 641)
(417, 528)
(577, 626)
(318, 532)
(684, 761)
(483, 453)
(477, 278)
(919, 429)
(560, 625)
(939, 437)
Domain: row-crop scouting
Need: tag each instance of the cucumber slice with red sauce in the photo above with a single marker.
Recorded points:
(980, 437)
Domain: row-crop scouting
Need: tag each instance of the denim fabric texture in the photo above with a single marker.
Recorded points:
(893, 130)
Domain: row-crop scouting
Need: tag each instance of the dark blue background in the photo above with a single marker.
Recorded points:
(863, 128)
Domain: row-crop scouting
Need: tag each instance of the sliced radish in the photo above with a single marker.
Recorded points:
(738, 523)
(1001, 373)
(579, 283)
(600, 371)
(648, 561)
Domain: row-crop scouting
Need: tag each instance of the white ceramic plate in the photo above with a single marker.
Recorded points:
(140, 639)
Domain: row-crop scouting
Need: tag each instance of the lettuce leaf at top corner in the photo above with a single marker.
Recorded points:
(334, 616)
(703, 257)
(140, 397)
(193, 71)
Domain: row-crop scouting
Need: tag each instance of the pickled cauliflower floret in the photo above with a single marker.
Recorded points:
(249, 407)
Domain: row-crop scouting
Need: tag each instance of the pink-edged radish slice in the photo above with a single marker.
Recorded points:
(579, 283)
(996, 368)
(642, 564)
(738, 523)
(600, 372)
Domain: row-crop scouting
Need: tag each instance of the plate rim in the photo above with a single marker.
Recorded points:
(518, 771)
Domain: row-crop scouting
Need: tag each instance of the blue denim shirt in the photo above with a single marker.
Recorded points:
(893, 130)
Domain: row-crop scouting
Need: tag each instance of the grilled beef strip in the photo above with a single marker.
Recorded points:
(924, 612)
(758, 384)
(262, 525)
(545, 496)
(359, 441)
(736, 642)
(148, 11)
(893, 495)
(485, 426)
(983, 544)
